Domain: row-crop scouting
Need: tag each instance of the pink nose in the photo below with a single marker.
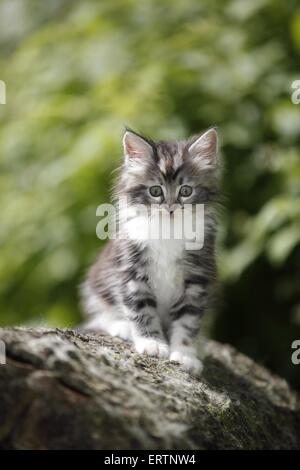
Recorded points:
(170, 208)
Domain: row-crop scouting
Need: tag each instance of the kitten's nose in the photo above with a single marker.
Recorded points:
(172, 208)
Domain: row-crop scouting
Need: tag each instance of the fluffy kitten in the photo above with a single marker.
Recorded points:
(154, 292)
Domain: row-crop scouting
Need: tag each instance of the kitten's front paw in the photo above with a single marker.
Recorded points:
(189, 363)
(152, 347)
(121, 329)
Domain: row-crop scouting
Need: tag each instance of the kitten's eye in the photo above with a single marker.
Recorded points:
(185, 191)
(156, 191)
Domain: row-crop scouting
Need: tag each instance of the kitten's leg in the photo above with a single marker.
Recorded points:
(140, 310)
(104, 317)
(139, 304)
(183, 350)
(186, 315)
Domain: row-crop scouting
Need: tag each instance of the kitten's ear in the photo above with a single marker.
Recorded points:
(136, 146)
(204, 149)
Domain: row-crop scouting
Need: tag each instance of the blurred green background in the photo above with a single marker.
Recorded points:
(76, 73)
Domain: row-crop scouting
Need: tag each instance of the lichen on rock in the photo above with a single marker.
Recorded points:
(61, 389)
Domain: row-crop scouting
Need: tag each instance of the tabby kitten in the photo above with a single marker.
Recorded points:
(154, 292)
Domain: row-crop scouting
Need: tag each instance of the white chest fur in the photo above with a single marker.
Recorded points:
(165, 272)
(164, 261)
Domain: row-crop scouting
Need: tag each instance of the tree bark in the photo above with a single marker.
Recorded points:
(61, 389)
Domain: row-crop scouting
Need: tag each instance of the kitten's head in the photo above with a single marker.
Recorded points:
(169, 173)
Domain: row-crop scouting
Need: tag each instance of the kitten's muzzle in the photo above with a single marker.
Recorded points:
(170, 208)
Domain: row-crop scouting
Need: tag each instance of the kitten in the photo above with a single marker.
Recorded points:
(154, 292)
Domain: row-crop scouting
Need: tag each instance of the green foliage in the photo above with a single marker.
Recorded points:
(77, 72)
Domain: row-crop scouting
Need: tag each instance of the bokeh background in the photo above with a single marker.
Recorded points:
(76, 73)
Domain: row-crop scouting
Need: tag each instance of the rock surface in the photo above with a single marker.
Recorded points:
(61, 389)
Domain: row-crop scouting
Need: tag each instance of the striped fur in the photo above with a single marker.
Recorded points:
(155, 292)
